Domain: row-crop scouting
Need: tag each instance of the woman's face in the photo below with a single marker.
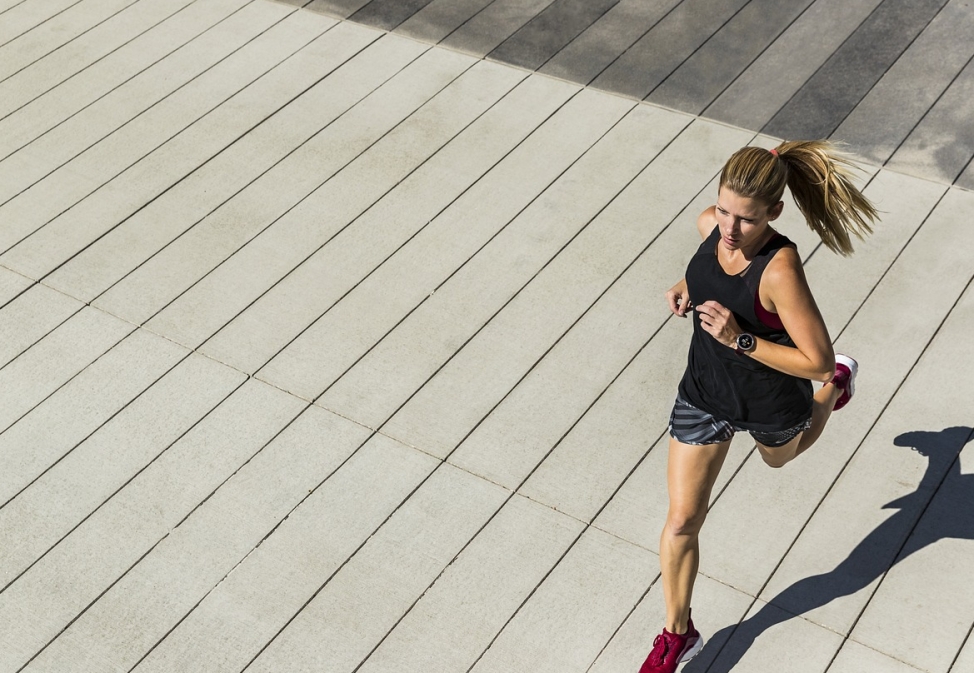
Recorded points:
(742, 220)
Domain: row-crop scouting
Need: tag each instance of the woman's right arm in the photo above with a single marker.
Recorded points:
(677, 297)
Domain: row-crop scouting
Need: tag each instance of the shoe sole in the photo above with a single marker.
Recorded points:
(693, 651)
(853, 370)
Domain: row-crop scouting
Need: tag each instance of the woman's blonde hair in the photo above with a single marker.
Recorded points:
(819, 177)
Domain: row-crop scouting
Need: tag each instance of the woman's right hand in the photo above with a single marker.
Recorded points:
(678, 299)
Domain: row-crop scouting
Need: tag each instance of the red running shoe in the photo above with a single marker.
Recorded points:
(670, 650)
(845, 379)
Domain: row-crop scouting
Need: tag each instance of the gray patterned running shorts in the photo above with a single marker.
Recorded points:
(690, 425)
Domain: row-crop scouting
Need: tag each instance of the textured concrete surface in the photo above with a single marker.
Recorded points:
(332, 335)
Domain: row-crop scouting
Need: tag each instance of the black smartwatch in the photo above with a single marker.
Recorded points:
(745, 343)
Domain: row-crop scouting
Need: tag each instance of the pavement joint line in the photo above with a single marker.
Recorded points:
(178, 133)
(109, 498)
(188, 4)
(36, 25)
(526, 284)
(385, 259)
(890, 65)
(441, 284)
(136, 75)
(334, 175)
(710, 37)
(100, 425)
(87, 30)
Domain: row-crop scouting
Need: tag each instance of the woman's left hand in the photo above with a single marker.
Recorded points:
(719, 322)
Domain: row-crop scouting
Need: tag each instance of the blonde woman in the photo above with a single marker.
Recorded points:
(758, 342)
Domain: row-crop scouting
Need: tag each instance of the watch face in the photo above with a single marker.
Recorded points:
(745, 342)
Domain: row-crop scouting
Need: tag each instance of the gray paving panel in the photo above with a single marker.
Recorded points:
(339, 8)
(55, 33)
(856, 658)
(494, 24)
(525, 281)
(308, 557)
(12, 284)
(94, 171)
(365, 315)
(318, 280)
(966, 179)
(942, 144)
(787, 64)
(456, 619)
(65, 419)
(709, 70)
(165, 276)
(545, 35)
(604, 41)
(387, 14)
(891, 110)
(824, 102)
(89, 49)
(659, 52)
(440, 18)
(31, 316)
(20, 17)
(56, 127)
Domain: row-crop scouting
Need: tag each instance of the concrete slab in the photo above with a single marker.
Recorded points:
(818, 108)
(705, 74)
(236, 315)
(449, 627)
(966, 179)
(272, 588)
(65, 419)
(12, 285)
(547, 33)
(399, 564)
(607, 39)
(20, 17)
(32, 315)
(808, 648)
(754, 97)
(856, 658)
(387, 14)
(165, 128)
(439, 18)
(66, 494)
(56, 359)
(529, 253)
(890, 111)
(90, 49)
(339, 8)
(60, 29)
(500, 19)
(941, 146)
(178, 573)
(61, 585)
(660, 51)
(59, 125)
(363, 317)
(549, 633)
(385, 124)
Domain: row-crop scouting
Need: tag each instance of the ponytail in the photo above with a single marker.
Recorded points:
(820, 179)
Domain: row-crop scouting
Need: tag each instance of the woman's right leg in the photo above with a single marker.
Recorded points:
(691, 473)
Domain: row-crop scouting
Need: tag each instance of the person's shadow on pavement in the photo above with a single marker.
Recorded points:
(890, 542)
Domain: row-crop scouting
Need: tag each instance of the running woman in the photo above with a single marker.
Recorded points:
(758, 342)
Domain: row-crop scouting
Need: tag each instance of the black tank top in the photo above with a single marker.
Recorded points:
(734, 387)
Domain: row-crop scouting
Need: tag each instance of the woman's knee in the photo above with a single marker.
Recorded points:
(683, 522)
(778, 456)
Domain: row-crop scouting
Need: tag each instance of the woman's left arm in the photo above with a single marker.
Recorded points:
(784, 285)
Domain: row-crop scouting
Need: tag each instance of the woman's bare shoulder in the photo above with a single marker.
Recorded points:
(706, 222)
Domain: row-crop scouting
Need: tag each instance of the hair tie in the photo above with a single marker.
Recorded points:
(774, 152)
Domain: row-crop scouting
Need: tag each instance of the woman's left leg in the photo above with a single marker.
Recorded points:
(822, 404)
